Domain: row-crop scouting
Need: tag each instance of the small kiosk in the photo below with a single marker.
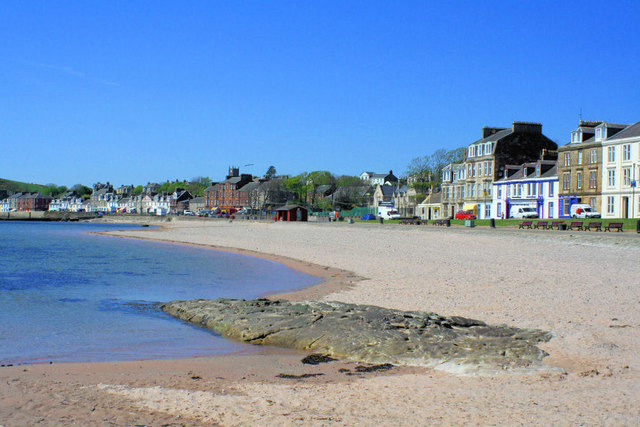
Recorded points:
(292, 213)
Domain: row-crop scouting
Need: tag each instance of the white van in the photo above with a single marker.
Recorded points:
(523, 212)
(582, 210)
(385, 212)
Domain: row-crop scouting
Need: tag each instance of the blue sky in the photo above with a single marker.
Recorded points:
(133, 91)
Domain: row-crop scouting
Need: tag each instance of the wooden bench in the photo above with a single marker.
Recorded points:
(617, 225)
(556, 224)
(439, 222)
(576, 225)
(526, 224)
(541, 224)
(596, 225)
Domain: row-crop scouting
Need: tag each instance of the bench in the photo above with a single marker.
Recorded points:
(526, 224)
(541, 224)
(617, 225)
(556, 224)
(410, 221)
(596, 225)
(439, 222)
(576, 225)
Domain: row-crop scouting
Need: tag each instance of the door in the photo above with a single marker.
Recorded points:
(625, 207)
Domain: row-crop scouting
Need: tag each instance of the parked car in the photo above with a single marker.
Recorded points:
(368, 217)
(189, 213)
(465, 215)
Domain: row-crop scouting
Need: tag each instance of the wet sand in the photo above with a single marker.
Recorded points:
(581, 286)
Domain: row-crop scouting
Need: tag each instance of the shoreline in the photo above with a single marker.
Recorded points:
(580, 286)
(332, 279)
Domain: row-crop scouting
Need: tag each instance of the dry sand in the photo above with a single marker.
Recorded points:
(582, 286)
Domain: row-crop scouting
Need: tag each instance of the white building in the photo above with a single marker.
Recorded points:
(620, 173)
(529, 185)
(374, 179)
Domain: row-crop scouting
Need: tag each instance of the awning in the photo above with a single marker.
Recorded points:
(470, 207)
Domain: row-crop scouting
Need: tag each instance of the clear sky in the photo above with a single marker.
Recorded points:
(137, 91)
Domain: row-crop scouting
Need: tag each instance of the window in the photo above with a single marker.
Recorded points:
(567, 207)
(579, 180)
(612, 178)
(566, 181)
(531, 189)
(592, 179)
(499, 188)
(499, 210)
(610, 205)
(540, 188)
(551, 189)
(599, 133)
(550, 210)
(626, 152)
(592, 203)
(490, 168)
(626, 173)
(594, 156)
(580, 157)
(487, 211)
(470, 151)
(611, 152)
(519, 187)
(486, 168)
(567, 159)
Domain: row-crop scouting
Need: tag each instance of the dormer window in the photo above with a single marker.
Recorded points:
(598, 134)
(537, 170)
(524, 172)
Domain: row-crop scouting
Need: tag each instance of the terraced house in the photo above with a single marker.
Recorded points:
(620, 172)
(488, 156)
(453, 188)
(580, 165)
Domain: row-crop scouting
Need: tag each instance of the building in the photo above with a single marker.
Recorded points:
(373, 178)
(431, 207)
(580, 165)
(383, 195)
(620, 172)
(292, 213)
(404, 200)
(532, 185)
(226, 195)
(30, 202)
(452, 189)
(488, 156)
(68, 202)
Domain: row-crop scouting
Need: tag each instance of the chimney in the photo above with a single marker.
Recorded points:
(527, 127)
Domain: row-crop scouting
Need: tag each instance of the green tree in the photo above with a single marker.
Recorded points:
(271, 172)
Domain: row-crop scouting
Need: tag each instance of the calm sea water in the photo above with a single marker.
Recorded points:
(66, 295)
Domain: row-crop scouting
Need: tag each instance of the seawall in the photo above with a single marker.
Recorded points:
(46, 216)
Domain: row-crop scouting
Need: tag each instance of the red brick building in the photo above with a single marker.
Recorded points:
(29, 202)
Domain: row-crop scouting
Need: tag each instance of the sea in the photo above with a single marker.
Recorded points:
(70, 296)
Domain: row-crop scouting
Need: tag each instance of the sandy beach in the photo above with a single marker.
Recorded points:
(582, 286)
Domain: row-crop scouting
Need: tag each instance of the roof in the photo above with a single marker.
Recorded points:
(494, 137)
(289, 207)
(387, 190)
(631, 131)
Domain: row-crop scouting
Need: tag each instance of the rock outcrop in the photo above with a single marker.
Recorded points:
(367, 333)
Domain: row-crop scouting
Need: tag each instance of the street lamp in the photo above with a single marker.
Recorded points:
(633, 192)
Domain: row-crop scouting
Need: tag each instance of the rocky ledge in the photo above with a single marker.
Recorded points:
(369, 334)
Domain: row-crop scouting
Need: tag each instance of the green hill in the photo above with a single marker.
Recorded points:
(23, 187)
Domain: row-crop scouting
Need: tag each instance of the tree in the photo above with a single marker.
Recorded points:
(138, 190)
(427, 170)
(271, 172)
(82, 190)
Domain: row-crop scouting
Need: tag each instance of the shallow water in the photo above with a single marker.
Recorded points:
(70, 296)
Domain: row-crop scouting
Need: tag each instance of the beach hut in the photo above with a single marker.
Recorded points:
(292, 213)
